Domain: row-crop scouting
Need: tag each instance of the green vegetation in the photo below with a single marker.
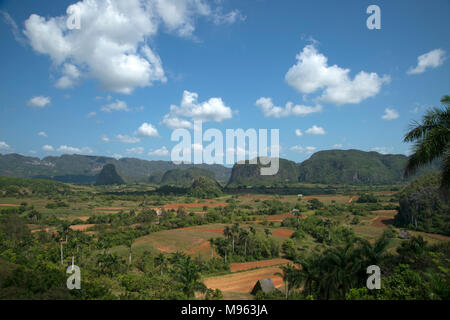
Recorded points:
(249, 174)
(205, 188)
(353, 167)
(109, 176)
(423, 207)
(83, 169)
(185, 177)
(432, 141)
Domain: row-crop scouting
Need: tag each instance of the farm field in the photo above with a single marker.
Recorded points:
(135, 227)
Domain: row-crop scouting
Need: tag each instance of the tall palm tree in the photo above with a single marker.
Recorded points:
(307, 274)
(290, 278)
(432, 141)
(161, 262)
(189, 276)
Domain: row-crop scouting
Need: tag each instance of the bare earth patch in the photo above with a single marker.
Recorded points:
(81, 227)
(8, 205)
(257, 264)
(109, 208)
(284, 233)
(382, 221)
(243, 281)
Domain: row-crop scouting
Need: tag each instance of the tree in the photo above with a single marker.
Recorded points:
(432, 141)
(189, 276)
(290, 278)
(161, 262)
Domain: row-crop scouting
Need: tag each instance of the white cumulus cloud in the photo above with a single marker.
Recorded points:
(39, 101)
(47, 148)
(4, 145)
(271, 110)
(316, 130)
(390, 114)
(127, 139)
(161, 152)
(213, 110)
(42, 134)
(432, 59)
(312, 73)
(147, 130)
(111, 44)
(298, 132)
(72, 150)
(118, 105)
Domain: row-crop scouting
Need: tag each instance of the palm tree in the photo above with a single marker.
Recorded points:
(244, 236)
(290, 278)
(227, 232)
(161, 262)
(235, 230)
(307, 274)
(189, 276)
(211, 243)
(432, 141)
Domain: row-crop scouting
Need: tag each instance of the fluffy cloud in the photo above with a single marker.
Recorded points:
(315, 130)
(4, 145)
(338, 146)
(383, 150)
(432, 59)
(298, 132)
(70, 74)
(91, 114)
(72, 150)
(127, 139)
(111, 44)
(304, 150)
(136, 150)
(270, 110)
(39, 101)
(161, 152)
(47, 148)
(312, 73)
(173, 122)
(212, 110)
(390, 114)
(118, 105)
(42, 134)
(147, 130)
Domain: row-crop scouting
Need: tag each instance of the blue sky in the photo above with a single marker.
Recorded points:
(107, 88)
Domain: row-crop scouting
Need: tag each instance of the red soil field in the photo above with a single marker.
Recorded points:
(279, 217)
(243, 281)
(257, 264)
(109, 208)
(8, 205)
(81, 227)
(285, 233)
